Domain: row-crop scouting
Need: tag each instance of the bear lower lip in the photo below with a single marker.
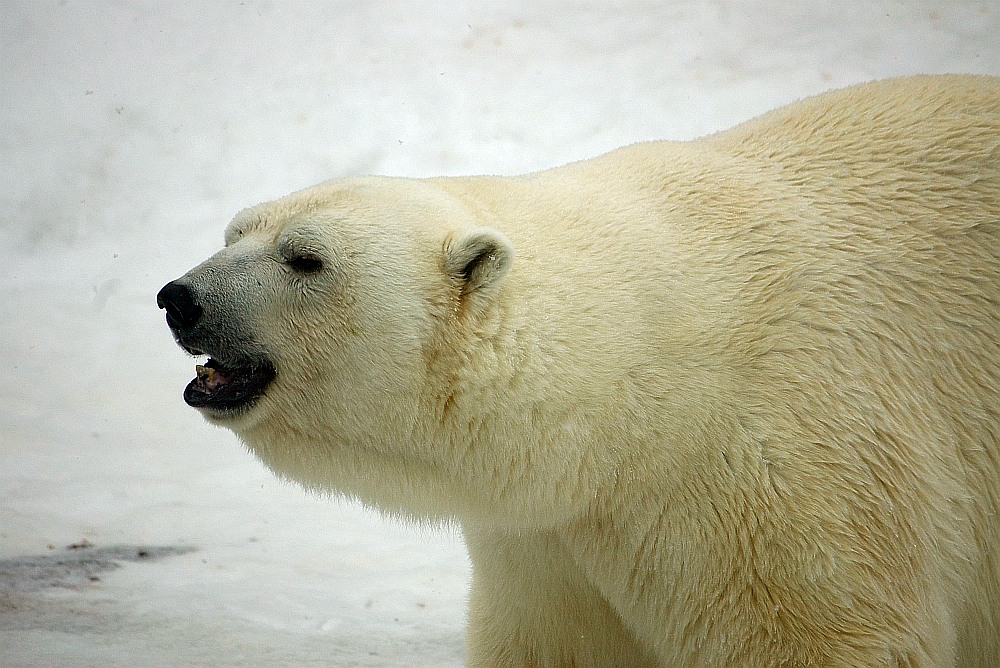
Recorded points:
(226, 389)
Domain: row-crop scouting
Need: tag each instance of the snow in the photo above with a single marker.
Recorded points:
(132, 131)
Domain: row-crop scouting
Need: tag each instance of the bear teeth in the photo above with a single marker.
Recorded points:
(209, 378)
(206, 374)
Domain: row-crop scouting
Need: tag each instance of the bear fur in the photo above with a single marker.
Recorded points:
(727, 402)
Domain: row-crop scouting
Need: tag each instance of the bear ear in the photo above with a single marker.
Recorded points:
(478, 260)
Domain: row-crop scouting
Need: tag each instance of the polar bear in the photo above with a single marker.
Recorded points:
(727, 402)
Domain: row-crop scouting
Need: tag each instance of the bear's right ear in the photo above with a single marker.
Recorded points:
(478, 260)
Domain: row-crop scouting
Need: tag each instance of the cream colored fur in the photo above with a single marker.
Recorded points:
(729, 402)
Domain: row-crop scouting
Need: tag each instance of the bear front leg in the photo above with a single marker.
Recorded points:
(531, 606)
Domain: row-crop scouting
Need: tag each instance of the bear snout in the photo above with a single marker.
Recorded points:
(178, 300)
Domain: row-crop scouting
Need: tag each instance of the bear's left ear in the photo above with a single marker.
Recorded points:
(478, 259)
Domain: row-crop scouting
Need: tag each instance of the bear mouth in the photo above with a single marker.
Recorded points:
(228, 388)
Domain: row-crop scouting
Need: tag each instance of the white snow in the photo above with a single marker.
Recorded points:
(130, 132)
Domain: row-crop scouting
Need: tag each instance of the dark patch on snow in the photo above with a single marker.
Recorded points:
(80, 564)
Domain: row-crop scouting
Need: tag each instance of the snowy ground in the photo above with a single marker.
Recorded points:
(131, 131)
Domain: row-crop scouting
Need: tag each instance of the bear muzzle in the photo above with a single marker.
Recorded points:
(231, 381)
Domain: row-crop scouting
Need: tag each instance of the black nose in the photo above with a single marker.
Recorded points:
(183, 312)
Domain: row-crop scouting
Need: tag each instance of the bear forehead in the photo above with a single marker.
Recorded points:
(359, 206)
(295, 210)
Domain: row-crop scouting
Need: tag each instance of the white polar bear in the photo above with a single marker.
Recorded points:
(728, 402)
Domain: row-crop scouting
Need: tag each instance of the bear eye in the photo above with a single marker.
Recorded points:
(304, 264)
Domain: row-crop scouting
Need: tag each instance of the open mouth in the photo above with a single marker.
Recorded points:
(228, 388)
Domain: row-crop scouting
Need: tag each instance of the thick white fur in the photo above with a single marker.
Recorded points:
(728, 402)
